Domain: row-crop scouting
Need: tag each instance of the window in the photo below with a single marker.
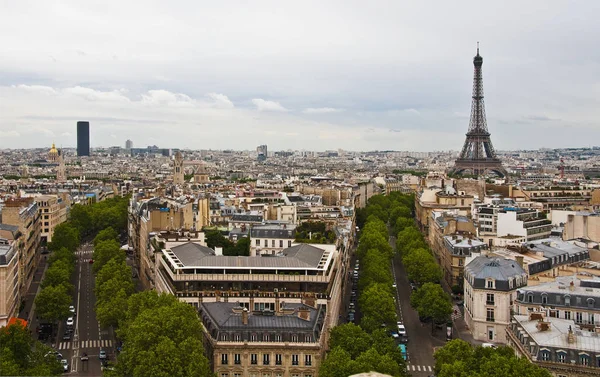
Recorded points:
(567, 300)
(289, 243)
(295, 338)
(590, 302)
(490, 315)
(278, 338)
(224, 358)
(237, 359)
(490, 284)
(567, 314)
(237, 337)
(266, 243)
(308, 338)
(278, 359)
(562, 357)
(280, 243)
(294, 359)
(253, 359)
(253, 338)
(489, 299)
(584, 359)
(461, 262)
(224, 374)
(272, 243)
(307, 360)
(544, 299)
(266, 374)
(265, 337)
(529, 297)
(257, 242)
(578, 317)
(266, 358)
(545, 356)
(237, 375)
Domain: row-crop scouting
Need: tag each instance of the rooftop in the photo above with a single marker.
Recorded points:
(484, 267)
(557, 333)
(587, 287)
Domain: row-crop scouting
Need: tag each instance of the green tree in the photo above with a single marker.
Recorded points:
(242, 247)
(80, 217)
(351, 338)
(20, 355)
(373, 240)
(105, 251)
(372, 361)
(114, 269)
(106, 234)
(58, 273)
(421, 267)
(64, 255)
(337, 364)
(385, 345)
(432, 302)
(52, 303)
(111, 312)
(65, 236)
(378, 307)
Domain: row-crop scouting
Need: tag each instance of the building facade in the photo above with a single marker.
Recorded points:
(53, 211)
(271, 239)
(10, 297)
(528, 223)
(491, 286)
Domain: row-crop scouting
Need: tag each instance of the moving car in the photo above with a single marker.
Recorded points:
(84, 357)
(102, 355)
(72, 310)
(65, 365)
(67, 336)
(70, 321)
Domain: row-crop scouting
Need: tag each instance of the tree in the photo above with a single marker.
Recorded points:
(57, 274)
(242, 247)
(378, 307)
(80, 217)
(458, 358)
(337, 364)
(20, 355)
(372, 361)
(166, 329)
(385, 345)
(106, 234)
(111, 312)
(105, 251)
(65, 236)
(114, 269)
(421, 267)
(373, 240)
(432, 302)
(64, 255)
(52, 303)
(351, 338)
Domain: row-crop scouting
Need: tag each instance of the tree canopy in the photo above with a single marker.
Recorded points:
(459, 358)
(432, 302)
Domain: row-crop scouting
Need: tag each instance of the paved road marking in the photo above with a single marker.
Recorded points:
(419, 368)
(96, 343)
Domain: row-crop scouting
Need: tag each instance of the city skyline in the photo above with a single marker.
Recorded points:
(386, 77)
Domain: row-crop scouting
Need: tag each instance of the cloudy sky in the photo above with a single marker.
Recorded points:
(314, 75)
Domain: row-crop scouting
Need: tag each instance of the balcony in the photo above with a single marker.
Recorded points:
(492, 303)
(490, 319)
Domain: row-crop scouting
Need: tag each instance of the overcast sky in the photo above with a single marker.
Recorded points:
(314, 75)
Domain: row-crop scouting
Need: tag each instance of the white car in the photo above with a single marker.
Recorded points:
(65, 365)
(70, 321)
(394, 285)
(401, 329)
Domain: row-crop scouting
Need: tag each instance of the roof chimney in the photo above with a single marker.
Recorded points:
(572, 286)
(245, 316)
(304, 313)
(519, 259)
(570, 336)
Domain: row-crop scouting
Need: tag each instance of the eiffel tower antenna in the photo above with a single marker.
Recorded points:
(478, 155)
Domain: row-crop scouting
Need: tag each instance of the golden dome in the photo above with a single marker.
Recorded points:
(53, 149)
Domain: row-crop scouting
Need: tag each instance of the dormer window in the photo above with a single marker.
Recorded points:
(530, 297)
(544, 298)
(489, 284)
(567, 300)
(590, 302)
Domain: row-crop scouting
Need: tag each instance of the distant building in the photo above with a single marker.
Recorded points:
(490, 288)
(262, 152)
(529, 223)
(128, 144)
(53, 211)
(83, 138)
(271, 239)
(178, 174)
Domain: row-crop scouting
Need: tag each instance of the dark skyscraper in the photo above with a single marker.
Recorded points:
(83, 138)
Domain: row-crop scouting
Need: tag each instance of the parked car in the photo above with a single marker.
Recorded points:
(102, 355)
(351, 306)
(70, 321)
(84, 357)
(394, 285)
(350, 317)
(401, 329)
(72, 310)
(67, 336)
(65, 365)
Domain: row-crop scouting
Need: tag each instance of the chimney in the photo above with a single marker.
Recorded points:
(570, 336)
(519, 259)
(245, 317)
(572, 286)
(277, 305)
(304, 313)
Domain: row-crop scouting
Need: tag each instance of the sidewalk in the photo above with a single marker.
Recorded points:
(28, 312)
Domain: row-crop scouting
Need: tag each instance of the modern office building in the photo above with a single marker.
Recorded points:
(83, 138)
(128, 144)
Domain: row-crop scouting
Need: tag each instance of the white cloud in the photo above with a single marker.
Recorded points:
(96, 95)
(37, 89)
(322, 110)
(66, 134)
(165, 98)
(263, 105)
(10, 133)
(220, 100)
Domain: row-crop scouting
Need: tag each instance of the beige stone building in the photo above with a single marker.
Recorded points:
(432, 199)
(53, 211)
(10, 297)
(24, 214)
(582, 225)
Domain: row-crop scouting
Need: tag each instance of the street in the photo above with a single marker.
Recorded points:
(420, 340)
(88, 337)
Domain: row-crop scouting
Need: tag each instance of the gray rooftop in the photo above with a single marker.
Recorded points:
(10, 228)
(484, 267)
(273, 231)
(302, 256)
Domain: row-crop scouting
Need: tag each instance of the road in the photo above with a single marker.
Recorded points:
(88, 337)
(420, 340)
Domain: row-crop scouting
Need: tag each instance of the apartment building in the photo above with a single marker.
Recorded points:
(271, 239)
(567, 297)
(53, 211)
(555, 344)
(254, 342)
(491, 286)
(24, 214)
(435, 198)
(10, 297)
(528, 223)
(584, 225)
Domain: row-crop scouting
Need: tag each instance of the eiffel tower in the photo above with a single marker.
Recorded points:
(478, 155)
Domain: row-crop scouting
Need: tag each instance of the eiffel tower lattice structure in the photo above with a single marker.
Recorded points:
(478, 155)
